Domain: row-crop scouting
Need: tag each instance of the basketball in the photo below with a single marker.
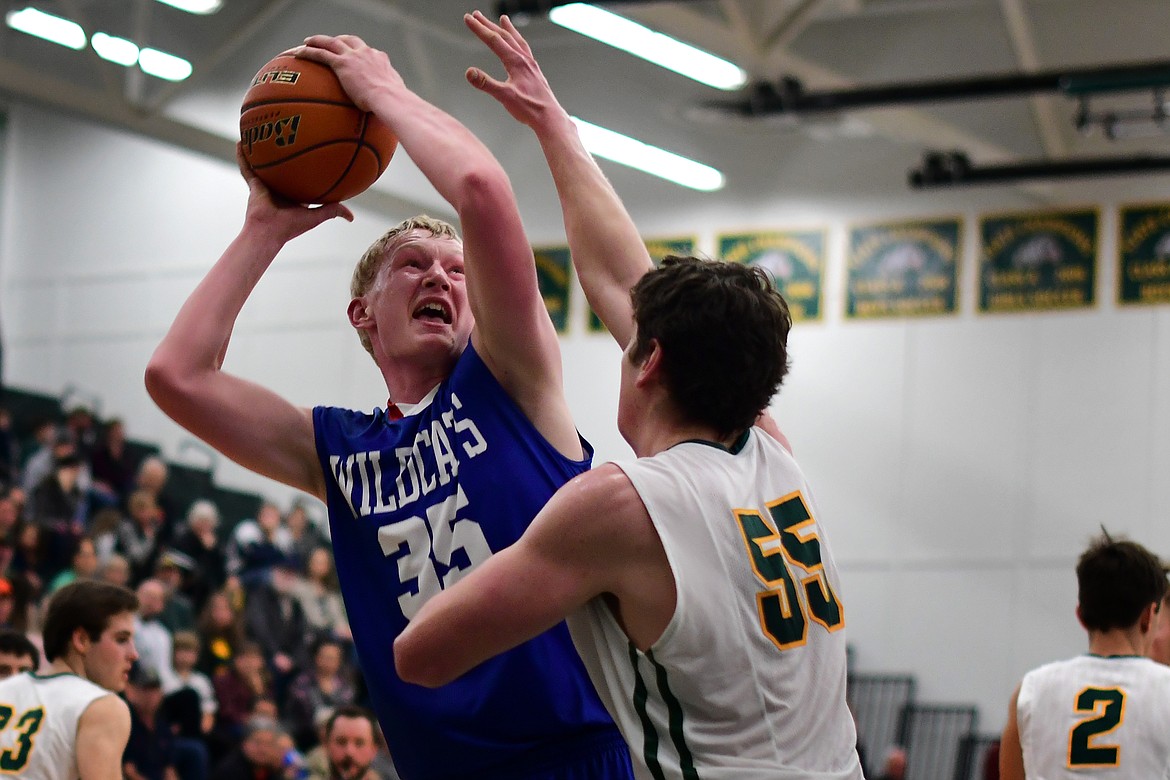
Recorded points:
(304, 137)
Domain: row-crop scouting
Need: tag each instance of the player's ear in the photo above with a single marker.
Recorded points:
(1080, 619)
(80, 640)
(359, 313)
(651, 367)
(1149, 615)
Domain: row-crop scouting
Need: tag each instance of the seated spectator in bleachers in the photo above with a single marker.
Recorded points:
(152, 477)
(9, 526)
(17, 653)
(111, 464)
(258, 756)
(221, 627)
(305, 535)
(83, 430)
(39, 462)
(186, 677)
(150, 751)
(115, 570)
(83, 565)
(256, 546)
(140, 535)
(153, 639)
(239, 689)
(320, 597)
(103, 529)
(9, 451)
(350, 748)
(326, 684)
(199, 541)
(178, 614)
(29, 558)
(274, 618)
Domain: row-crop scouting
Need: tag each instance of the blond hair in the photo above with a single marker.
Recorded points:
(381, 250)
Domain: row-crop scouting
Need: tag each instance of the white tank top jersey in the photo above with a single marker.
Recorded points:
(748, 679)
(1095, 716)
(38, 724)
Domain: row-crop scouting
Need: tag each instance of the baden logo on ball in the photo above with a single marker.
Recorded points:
(304, 137)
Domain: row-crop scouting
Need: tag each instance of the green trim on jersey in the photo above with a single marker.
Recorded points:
(674, 711)
(735, 448)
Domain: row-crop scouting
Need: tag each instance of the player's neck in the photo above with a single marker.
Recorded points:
(66, 666)
(1116, 642)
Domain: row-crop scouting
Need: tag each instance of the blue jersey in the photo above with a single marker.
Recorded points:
(415, 504)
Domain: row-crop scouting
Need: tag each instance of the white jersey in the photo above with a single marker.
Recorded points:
(38, 724)
(748, 679)
(1093, 716)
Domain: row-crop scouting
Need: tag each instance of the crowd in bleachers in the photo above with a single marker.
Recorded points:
(240, 630)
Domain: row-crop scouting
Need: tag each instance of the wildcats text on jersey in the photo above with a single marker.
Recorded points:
(431, 461)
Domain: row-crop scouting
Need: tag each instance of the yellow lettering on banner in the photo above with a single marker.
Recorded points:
(1149, 270)
(1156, 292)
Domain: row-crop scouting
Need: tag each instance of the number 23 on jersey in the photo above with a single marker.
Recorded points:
(777, 544)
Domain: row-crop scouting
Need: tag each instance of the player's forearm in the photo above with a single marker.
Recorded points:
(455, 162)
(608, 252)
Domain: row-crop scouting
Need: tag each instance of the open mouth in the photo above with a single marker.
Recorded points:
(433, 311)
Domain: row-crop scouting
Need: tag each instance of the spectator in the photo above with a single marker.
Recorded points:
(257, 545)
(350, 746)
(238, 689)
(9, 451)
(152, 477)
(304, 534)
(221, 627)
(40, 460)
(9, 526)
(199, 541)
(103, 529)
(29, 559)
(258, 755)
(115, 570)
(111, 465)
(17, 653)
(186, 677)
(153, 639)
(274, 618)
(178, 614)
(150, 752)
(327, 684)
(82, 429)
(83, 565)
(140, 535)
(320, 597)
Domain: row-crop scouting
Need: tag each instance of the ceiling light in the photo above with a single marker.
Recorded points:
(114, 49)
(195, 6)
(51, 28)
(621, 33)
(650, 159)
(163, 65)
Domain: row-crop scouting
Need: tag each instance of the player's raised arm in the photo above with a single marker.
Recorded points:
(251, 425)
(513, 332)
(608, 252)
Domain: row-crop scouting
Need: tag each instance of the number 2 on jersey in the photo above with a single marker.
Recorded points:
(782, 611)
(1107, 706)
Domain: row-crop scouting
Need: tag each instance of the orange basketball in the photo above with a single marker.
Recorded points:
(306, 139)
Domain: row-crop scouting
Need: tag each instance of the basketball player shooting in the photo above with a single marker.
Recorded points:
(474, 439)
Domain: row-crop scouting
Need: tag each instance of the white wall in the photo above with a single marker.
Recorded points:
(961, 463)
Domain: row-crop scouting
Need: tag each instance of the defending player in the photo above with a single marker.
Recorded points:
(1107, 713)
(471, 361)
(70, 723)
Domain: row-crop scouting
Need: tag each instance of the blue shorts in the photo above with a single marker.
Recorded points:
(603, 756)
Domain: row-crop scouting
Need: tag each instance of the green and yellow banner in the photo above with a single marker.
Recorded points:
(903, 269)
(1143, 254)
(554, 269)
(658, 249)
(1038, 261)
(794, 258)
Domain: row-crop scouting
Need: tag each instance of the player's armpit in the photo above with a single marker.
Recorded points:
(102, 733)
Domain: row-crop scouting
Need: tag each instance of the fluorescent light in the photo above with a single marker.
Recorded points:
(163, 65)
(195, 6)
(670, 53)
(51, 28)
(658, 162)
(114, 49)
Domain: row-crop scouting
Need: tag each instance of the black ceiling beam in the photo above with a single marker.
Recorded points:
(954, 169)
(789, 97)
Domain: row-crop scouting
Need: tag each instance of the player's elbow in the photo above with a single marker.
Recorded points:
(168, 380)
(416, 665)
(482, 186)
